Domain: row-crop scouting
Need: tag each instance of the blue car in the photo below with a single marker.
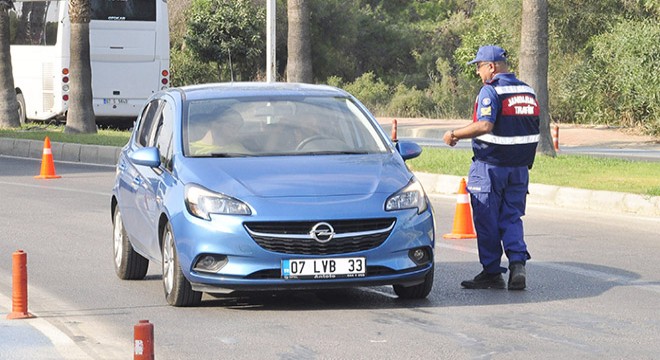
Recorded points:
(268, 186)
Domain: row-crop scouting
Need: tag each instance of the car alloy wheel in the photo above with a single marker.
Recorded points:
(178, 290)
(129, 265)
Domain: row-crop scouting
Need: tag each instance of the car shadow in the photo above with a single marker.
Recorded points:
(546, 282)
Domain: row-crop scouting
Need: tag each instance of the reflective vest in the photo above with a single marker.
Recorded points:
(511, 105)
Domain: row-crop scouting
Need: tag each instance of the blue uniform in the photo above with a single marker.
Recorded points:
(499, 177)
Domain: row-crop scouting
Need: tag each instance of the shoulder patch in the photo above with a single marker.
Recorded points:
(485, 102)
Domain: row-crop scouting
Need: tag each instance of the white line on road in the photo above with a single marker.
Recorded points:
(54, 188)
(64, 345)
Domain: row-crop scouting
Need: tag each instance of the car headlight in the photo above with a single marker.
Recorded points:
(411, 196)
(202, 203)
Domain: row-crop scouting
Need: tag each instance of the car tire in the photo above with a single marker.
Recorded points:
(129, 265)
(178, 290)
(419, 291)
(22, 115)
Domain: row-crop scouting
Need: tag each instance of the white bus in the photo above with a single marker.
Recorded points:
(129, 49)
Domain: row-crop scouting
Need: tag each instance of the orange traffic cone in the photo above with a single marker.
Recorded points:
(463, 226)
(47, 165)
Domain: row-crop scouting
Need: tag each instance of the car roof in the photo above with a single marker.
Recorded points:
(249, 89)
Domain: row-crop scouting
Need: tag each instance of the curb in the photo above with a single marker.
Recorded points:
(550, 195)
(88, 154)
(562, 197)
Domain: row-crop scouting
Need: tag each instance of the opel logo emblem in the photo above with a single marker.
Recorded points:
(322, 232)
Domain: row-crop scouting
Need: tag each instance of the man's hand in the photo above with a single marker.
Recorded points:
(449, 138)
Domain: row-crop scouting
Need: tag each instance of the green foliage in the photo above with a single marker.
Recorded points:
(374, 94)
(187, 69)
(453, 95)
(57, 134)
(228, 33)
(494, 22)
(410, 102)
(614, 85)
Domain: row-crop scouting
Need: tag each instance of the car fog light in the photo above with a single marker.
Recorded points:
(420, 255)
(210, 263)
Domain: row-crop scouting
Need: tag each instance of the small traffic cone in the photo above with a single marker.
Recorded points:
(463, 226)
(555, 137)
(47, 165)
(395, 137)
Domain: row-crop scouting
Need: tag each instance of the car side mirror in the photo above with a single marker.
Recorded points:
(147, 156)
(408, 149)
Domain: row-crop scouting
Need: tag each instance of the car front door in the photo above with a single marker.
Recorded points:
(158, 180)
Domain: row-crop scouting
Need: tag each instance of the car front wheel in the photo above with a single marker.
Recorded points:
(178, 290)
(419, 291)
(129, 265)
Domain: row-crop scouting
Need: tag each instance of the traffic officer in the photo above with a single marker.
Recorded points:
(504, 133)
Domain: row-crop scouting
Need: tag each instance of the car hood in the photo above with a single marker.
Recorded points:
(296, 176)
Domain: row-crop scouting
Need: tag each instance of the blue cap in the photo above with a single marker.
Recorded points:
(489, 53)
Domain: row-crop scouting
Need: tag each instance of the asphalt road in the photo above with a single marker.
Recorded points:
(593, 292)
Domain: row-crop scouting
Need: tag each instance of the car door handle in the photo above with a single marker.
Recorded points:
(121, 166)
(137, 180)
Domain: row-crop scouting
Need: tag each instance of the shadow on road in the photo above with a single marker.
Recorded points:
(547, 282)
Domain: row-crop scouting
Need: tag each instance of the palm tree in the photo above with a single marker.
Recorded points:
(534, 63)
(80, 116)
(299, 46)
(8, 103)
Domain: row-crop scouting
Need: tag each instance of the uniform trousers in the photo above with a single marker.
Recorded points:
(498, 197)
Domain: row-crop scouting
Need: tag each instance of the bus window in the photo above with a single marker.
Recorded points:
(34, 23)
(135, 10)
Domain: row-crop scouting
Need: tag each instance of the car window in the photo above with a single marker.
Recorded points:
(145, 129)
(281, 125)
(163, 136)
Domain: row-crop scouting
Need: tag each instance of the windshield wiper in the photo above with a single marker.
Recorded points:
(227, 155)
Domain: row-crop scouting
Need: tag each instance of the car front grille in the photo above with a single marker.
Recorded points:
(296, 237)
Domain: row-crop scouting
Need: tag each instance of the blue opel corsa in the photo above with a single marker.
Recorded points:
(268, 186)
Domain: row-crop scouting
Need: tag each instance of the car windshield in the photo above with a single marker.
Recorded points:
(276, 126)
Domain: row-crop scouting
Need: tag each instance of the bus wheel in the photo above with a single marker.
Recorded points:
(21, 108)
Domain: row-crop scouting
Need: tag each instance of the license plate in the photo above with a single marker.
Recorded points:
(324, 268)
(115, 101)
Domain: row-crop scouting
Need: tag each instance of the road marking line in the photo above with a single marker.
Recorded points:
(63, 344)
(55, 188)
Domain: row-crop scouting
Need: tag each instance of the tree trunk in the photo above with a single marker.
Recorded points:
(534, 63)
(299, 47)
(80, 117)
(8, 102)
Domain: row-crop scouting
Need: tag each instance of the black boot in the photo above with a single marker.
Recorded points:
(517, 276)
(485, 281)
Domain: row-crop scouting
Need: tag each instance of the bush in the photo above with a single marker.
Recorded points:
(410, 102)
(614, 85)
(186, 69)
(373, 93)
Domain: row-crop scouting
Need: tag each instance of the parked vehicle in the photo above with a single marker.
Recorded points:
(268, 186)
(129, 53)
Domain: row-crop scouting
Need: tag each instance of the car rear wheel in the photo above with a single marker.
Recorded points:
(129, 265)
(178, 290)
(419, 291)
(22, 118)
